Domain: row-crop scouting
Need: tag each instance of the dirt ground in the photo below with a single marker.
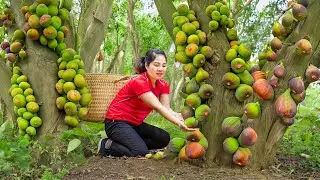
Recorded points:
(141, 169)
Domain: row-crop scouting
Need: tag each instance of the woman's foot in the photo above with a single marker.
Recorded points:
(104, 146)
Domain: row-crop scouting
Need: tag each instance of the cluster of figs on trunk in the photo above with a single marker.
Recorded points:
(239, 78)
(279, 71)
(219, 15)
(193, 146)
(72, 87)
(286, 103)
(297, 12)
(46, 22)
(25, 104)
(14, 51)
(192, 52)
(240, 138)
(6, 18)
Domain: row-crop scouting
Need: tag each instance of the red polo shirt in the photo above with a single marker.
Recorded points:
(127, 106)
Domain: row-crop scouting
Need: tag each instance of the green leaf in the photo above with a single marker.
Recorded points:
(102, 134)
(7, 129)
(73, 144)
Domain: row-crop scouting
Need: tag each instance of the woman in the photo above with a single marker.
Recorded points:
(127, 134)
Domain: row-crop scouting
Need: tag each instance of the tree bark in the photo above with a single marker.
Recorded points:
(165, 9)
(95, 33)
(86, 17)
(223, 103)
(133, 33)
(5, 76)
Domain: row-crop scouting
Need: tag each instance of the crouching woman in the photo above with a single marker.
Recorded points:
(128, 134)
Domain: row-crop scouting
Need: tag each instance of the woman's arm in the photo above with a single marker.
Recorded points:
(150, 99)
(165, 100)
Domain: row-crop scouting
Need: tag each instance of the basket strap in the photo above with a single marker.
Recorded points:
(125, 78)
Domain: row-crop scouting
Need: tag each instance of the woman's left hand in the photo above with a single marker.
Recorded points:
(186, 128)
(179, 116)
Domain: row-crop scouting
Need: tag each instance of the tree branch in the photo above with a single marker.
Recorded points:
(132, 30)
(235, 7)
(166, 9)
(95, 33)
(243, 8)
(120, 48)
(178, 89)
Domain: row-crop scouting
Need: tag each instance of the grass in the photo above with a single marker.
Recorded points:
(158, 121)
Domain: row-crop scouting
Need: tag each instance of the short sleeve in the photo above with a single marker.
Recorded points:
(139, 86)
(165, 89)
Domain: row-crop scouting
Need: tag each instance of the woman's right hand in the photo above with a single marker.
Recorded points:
(186, 128)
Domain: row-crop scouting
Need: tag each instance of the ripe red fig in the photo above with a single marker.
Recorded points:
(274, 81)
(275, 44)
(11, 57)
(242, 156)
(285, 105)
(187, 112)
(4, 45)
(259, 75)
(248, 137)
(279, 71)
(194, 136)
(303, 47)
(296, 85)
(299, 11)
(312, 73)
(194, 150)
(263, 89)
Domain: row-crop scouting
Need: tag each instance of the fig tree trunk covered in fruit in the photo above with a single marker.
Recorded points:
(40, 66)
(223, 104)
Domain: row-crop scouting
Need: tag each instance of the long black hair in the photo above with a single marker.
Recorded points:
(146, 60)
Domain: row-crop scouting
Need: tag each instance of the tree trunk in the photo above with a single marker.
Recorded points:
(223, 103)
(95, 32)
(122, 60)
(86, 16)
(40, 67)
(165, 9)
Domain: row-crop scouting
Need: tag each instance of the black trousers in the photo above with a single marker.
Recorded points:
(129, 140)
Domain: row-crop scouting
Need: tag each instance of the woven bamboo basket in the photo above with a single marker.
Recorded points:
(103, 88)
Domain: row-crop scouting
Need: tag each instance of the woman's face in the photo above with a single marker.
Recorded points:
(157, 68)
